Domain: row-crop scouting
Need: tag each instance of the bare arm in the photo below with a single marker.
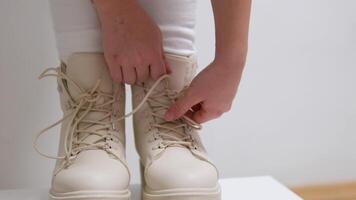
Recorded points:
(212, 91)
(231, 29)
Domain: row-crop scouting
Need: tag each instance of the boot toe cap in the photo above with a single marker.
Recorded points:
(109, 175)
(179, 168)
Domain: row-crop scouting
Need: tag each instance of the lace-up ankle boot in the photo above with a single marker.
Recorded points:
(91, 160)
(174, 163)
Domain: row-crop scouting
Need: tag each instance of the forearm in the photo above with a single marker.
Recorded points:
(231, 29)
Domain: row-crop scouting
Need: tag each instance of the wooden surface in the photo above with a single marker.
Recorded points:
(339, 191)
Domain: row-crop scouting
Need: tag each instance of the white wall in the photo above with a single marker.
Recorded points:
(294, 117)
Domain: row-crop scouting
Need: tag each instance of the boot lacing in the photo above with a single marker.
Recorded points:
(172, 133)
(79, 128)
(86, 103)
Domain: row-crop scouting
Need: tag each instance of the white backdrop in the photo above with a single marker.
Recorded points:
(294, 117)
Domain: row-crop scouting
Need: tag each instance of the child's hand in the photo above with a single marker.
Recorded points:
(210, 94)
(132, 42)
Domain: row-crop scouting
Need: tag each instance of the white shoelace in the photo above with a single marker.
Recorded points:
(171, 133)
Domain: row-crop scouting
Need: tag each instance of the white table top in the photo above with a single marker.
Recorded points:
(251, 188)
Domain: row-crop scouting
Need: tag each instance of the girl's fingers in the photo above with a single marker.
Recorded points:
(157, 69)
(142, 73)
(129, 74)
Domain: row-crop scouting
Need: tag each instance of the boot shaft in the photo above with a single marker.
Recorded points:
(86, 82)
(148, 137)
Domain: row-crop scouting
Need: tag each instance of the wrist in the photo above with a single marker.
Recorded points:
(228, 69)
(231, 59)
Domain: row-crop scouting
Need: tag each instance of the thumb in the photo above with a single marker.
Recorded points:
(201, 116)
(182, 105)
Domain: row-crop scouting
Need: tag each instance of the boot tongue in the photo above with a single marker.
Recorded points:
(85, 69)
(180, 76)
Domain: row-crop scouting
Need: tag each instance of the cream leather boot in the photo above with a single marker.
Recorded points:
(174, 164)
(91, 159)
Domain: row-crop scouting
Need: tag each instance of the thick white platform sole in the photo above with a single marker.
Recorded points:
(91, 195)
